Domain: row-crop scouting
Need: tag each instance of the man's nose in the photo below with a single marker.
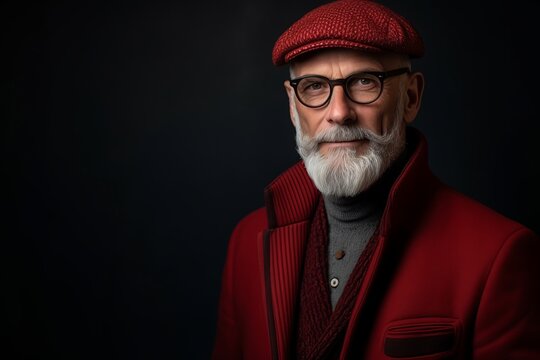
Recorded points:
(339, 108)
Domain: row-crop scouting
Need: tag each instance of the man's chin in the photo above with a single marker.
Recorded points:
(340, 157)
(359, 147)
(342, 173)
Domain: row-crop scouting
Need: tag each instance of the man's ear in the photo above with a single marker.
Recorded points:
(290, 94)
(415, 89)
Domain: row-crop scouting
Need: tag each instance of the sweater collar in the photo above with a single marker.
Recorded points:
(348, 210)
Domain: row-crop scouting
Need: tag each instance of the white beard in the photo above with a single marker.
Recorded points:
(341, 172)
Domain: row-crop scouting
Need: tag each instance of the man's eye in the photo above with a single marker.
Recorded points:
(313, 86)
(363, 83)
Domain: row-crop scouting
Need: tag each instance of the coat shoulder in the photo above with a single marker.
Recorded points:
(459, 214)
(252, 223)
(246, 231)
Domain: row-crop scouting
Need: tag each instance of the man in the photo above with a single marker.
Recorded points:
(360, 252)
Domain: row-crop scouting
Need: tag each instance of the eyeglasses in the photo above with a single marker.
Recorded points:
(362, 88)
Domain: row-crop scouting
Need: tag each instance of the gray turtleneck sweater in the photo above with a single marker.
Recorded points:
(351, 223)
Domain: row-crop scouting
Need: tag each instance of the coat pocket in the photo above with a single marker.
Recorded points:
(428, 338)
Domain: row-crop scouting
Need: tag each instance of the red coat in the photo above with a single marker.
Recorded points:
(449, 278)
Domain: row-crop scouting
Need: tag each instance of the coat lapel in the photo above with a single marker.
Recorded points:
(290, 202)
(284, 249)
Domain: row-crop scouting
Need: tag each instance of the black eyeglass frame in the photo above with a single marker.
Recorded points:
(381, 75)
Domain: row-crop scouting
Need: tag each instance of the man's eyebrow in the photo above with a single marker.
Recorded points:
(368, 69)
(356, 71)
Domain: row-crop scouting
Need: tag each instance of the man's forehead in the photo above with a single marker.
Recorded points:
(347, 60)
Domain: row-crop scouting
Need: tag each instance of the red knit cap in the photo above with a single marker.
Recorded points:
(354, 24)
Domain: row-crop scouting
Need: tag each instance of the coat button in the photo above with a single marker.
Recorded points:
(334, 282)
(339, 254)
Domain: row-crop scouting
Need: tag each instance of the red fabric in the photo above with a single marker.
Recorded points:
(354, 24)
(315, 309)
(443, 265)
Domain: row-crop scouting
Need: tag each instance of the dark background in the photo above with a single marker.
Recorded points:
(136, 134)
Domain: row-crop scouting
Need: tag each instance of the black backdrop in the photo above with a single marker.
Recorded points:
(136, 134)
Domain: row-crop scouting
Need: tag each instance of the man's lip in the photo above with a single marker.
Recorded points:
(347, 143)
(343, 141)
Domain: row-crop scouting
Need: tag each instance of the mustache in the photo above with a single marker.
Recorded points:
(348, 133)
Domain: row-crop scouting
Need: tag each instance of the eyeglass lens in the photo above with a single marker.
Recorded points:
(361, 88)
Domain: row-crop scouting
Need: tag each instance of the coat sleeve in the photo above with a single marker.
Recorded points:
(227, 342)
(508, 318)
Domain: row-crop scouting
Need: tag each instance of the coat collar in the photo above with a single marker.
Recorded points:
(291, 197)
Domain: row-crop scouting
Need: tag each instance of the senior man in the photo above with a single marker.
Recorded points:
(360, 252)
